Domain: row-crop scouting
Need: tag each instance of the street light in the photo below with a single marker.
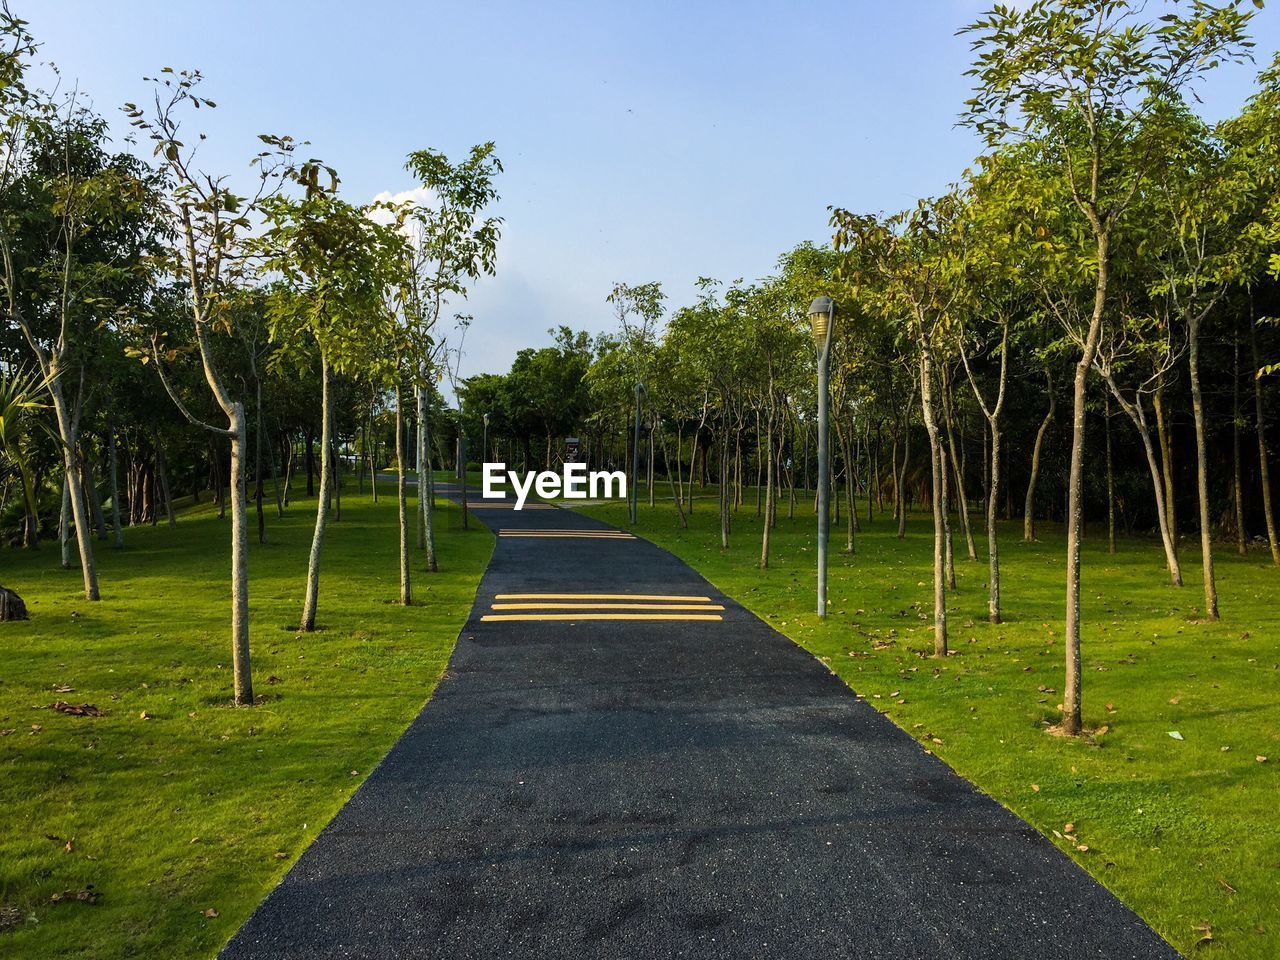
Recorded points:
(635, 454)
(822, 315)
(485, 452)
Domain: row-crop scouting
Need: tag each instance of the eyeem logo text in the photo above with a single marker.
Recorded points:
(574, 483)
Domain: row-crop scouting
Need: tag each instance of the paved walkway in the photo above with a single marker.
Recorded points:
(684, 782)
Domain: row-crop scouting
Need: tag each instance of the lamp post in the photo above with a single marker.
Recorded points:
(822, 314)
(485, 453)
(635, 454)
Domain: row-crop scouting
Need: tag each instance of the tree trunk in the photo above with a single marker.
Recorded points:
(1028, 516)
(1071, 696)
(116, 526)
(901, 482)
(1111, 481)
(672, 480)
(406, 595)
(322, 504)
(1242, 539)
(993, 543)
(426, 484)
(64, 524)
(1164, 433)
(939, 536)
(240, 560)
(768, 496)
(957, 466)
(71, 464)
(420, 460)
(1264, 469)
(1136, 414)
(162, 484)
(1202, 472)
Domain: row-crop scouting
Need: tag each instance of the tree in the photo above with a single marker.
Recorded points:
(451, 245)
(209, 221)
(336, 265)
(1077, 78)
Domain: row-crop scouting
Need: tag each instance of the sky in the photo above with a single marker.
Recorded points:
(643, 140)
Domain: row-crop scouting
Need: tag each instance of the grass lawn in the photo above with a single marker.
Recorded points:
(176, 811)
(1185, 830)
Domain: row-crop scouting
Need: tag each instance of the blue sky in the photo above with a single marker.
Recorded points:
(648, 140)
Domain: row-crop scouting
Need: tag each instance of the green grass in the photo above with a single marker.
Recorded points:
(1184, 831)
(199, 806)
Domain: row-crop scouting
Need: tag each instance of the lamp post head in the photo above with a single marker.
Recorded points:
(821, 315)
(486, 419)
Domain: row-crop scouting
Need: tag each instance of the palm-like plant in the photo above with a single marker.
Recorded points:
(20, 393)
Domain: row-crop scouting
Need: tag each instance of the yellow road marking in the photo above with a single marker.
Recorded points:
(598, 616)
(596, 596)
(568, 536)
(606, 606)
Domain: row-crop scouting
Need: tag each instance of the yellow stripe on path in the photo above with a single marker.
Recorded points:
(607, 606)
(597, 596)
(489, 618)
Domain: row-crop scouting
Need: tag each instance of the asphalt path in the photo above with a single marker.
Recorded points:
(690, 786)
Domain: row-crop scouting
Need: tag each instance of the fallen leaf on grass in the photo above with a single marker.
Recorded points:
(144, 715)
(280, 855)
(1260, 758)
(1035, 787)
(210, 913)
(1226, 887)
(1206, 933)
(77, 709)
(1176, 735)
(87, 895)
(63, 688)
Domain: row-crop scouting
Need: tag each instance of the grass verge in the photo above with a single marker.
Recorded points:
(153, 831)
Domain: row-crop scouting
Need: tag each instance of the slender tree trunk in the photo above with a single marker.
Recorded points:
(420, 458)
(162, 484)
(1202, 473)
(768, 505)
(939, 535)
(851, 524)
(114, 466)
(993, 542)
(322, 503)
(1242, 539)
(1164, 433)
(1111, 481)
(1138, 416)
(242, 679)
(1264, 468)
(901, 491)
(64, 524)
(71, 464)
(1029, 516)
(426, 484)
(672, 480)
(653, 426)
(1071, 695)
(406, 594)
(946, 514)
(957, 466)
(93, 501)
